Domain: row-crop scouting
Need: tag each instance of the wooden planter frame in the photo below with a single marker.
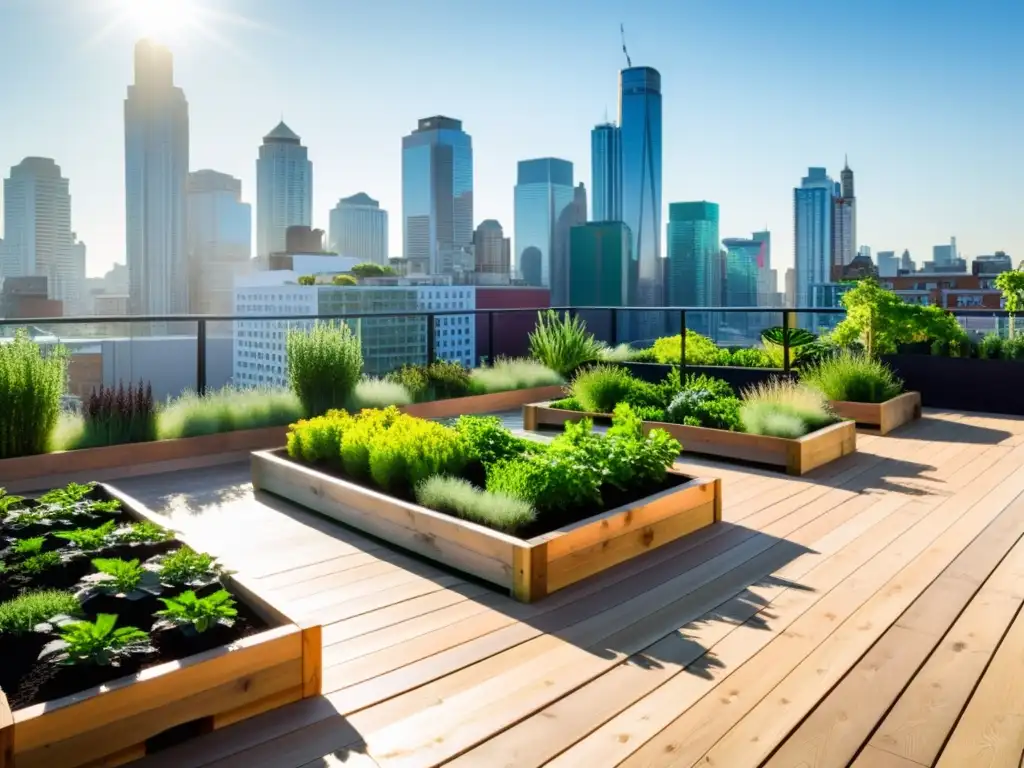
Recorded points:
(109, 725)
(472, 404)
(883, 417)
(528, 568)
(796, 457)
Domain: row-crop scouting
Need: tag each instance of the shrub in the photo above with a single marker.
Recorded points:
(563, 343)
(488, 441)
(751, 358)
(509, 375)
(567, 404)
(358, 434)
(344, 280)
(773, 408)
(461, 499)
(991, 347)
(31, 385)
(227, 410)
(547, 481)
(1013, 349)
(307, 280)
(370, 269)
(24, 612)
(379, 393)
(700, 407)
(700, 350)
(117, 416)
(673, 384)
(853, 377)
(411, 450)
(645, 355)
(414, 379)
(601, 388)
(324, 366)
(317, 440)
(447, 379)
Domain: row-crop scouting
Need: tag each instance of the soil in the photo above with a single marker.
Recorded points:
(27, 681)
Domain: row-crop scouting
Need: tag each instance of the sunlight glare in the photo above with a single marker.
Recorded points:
(159, 18)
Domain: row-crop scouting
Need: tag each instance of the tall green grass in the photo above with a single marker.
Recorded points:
(227, 410)
(511, 374)
(853, 377)
(31, 385)
(783, 408)
(563, 343)
(324, 366)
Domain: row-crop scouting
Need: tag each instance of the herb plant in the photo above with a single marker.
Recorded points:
(782, 408)
(123, 578)
(227, 410)
(379, 393)
(143, 533)
(488, 441)
(324, 366)
(28, 547)
(70, 494)
(460, 498)
(187, 568)
(37, 564)
(25, 612)
(31, 385)
(853, 377)
(89, 539)
(198, 613)
(562, 343)
(101, 643)
(507, 375)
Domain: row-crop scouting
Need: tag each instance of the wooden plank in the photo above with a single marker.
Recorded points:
(822, 447)
(885, 417)
(472, 404)
(872, 757)
(538, 414)
(6, 734)
(312, 660)
(721, 443)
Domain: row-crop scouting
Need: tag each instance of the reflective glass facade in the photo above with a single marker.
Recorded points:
(606, 172)
(694, 263)
(437, 194)
(640, 128)
(544, 214)
(812, 233)
(603, 268)
(740, 287)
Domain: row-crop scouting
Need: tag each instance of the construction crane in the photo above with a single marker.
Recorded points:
(622, 31)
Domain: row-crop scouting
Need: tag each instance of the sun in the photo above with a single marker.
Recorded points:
(159, 18)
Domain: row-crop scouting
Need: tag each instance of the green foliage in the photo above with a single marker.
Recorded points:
(411, 450)
(562, 343)
(358, 437)
(509, 375)
(783, 408)
(440, 380)
(600, 388)
(31, 385)
(307, 280)
(118, 577)
(37, 564)
(414, 379)
(567, 404)
(488, 441)
(344, 280)
(199, 613)
(143, 533)
(751, 358)
(369, 269)
(462, 499)
(651, 413)
(700, 350)
(114, 416)
(700, 407)
(70, 494)
(853, 377)
(643, 355)
(547, 481)
(89, 539)
(317, 440)
(25, 612)
(324, 366)
(28, 547)
(379, 393)
(1011, 283)
(991, 347)
(618, 354)
(188, 568)
(101, 643)
(227, 410)
(1013, 349)
(774, 339)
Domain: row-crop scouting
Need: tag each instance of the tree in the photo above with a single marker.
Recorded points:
(1011, 283)
(307, 280)
(369, 269)
(877, 318)
(344, 280)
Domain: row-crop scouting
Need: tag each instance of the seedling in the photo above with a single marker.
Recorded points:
(101, 643)
(28, 547)
(89, 539)
(187, 568)
(142, 533)
(121, 578)
(37, 564)
(70, 494)
(199, 614)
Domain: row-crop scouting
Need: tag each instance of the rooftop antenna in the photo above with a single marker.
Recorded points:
(622, 31)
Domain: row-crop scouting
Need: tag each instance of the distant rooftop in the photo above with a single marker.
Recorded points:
(282, 134)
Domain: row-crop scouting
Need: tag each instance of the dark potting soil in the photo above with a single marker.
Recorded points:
(27, 681)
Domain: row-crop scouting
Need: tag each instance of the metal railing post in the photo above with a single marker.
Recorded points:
(785, 342)
(613, 327)
(201, 357)
(431, 341)
(682, 341)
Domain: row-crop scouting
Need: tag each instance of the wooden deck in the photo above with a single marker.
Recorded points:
(865, 614)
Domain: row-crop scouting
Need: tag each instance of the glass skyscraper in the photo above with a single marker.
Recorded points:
(544, 214)
(694, 263)
(740, 287)
(812, 234)
(603, 270)
(640, 127)
(437, 195)
(606, 172)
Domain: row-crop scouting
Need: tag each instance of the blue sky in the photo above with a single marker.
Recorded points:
(925, 97)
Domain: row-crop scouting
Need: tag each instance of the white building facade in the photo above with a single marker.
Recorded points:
(284, 189)
(359, 228)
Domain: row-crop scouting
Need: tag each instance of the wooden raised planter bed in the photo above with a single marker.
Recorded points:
(885, 417)
(110, 725)
(472, 404)
(528, 568)
(797, 457)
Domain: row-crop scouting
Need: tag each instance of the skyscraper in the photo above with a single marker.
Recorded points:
(603, 271)
(640, 121)
(740, 285)
(606, 172)
(492, 249)
(284, 189)
(844, 221)
(694, 264)
(812, 232)
(359, 228)
(545, 210)
(156, 175)
(219, 240)
(888, 264)
(437, 195)
(906, 263)
(37, 229)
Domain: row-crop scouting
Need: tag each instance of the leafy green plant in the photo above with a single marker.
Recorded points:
(344, 280)
(8, 503)
(567, 404)
(99, 643)
(227, 410)
(751, 358)
(1011, 283)
(370, 269)
(775, 338)
(546, 481)
(187, 611)
(25, 612)
(114, 416)
(508, 375)
(562, 343)
(123, 578)
(89, 539)
(31, 385)
(379, 393)
(447, 379)
(991, 347)
(702, 408)
(413, 378)
(187, 568)
(37, 564)
(700, 350)
(324, 366)
(143, 533)
(1013, 349)
(307, 280)
(783, 408)
(488, 441)
(69, 495)
(645, 355)
(411, 450)
(28, 547)
(359, 436)
(853, 377)
(460, 498)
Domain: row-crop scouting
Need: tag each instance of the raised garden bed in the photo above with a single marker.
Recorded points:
(528, 568)
(885, 417)
(796, 456)
(473, 404)
(184, 683)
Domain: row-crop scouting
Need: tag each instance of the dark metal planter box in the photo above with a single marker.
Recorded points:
(963, 383)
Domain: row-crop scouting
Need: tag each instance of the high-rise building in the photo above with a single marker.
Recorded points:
(844, 221)
(740, 286)
(888, 264)
(906, 263)
(603, 271)
(640, 125)
(493, 251)
(944, 255)
(994, 264)
(359, 228)
(694, 262)
(219, 241)
(37, 230)
(545, 210)
(437, 195)
(579, 201)
(812, 230)
(767, 278)
(156, 176)
(791, 288)
(75, 302)
(284, 189)
(606, 172)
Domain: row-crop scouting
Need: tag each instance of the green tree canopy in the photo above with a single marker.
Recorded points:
(1011, 283)
(307, 280)
(344, 280)
(369, 269)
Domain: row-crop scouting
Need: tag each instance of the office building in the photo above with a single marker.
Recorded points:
(545, 210)
(944, 256)
(694, 264)
(156, 127)
(844, 221)
(219, 240)
(491, 249)
(437, 195)
(790, 289)
(906, 263)
(359, 228)
(888, 264)
(606, 172)
(284, 188)
(812, 230)
(995, 264)
(741, 282)
(603, 272)
(38, 241)
(640, 126)
(27, 298)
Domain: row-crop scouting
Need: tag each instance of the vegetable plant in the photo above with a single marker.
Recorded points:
(89, 539)
(324, 365)
(562, 342)
(143, 533)
(187, 568)
(37, 564)
(100, 643)
(122, 578)
(198, 613)
(25, 612)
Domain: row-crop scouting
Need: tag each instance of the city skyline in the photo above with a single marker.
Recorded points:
(227, 121)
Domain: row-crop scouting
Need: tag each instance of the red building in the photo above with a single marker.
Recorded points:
(511, 329)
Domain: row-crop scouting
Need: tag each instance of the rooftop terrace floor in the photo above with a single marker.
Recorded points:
(866, 614)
